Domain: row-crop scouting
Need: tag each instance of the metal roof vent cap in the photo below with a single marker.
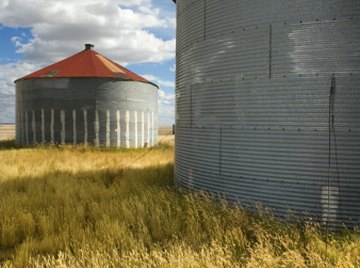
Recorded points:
(88, 46)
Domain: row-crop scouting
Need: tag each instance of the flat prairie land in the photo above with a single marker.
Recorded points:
(7, 131)
(62, 206)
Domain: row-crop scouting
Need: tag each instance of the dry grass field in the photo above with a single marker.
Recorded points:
(86, 207)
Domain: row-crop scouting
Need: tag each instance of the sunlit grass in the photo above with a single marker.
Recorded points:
(87, 207)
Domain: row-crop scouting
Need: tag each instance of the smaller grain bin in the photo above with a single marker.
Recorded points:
(86, 99)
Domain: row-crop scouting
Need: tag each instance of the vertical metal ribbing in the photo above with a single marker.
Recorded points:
(52, 126)
(136, 128)
(97, 128)
(85, 127)
(21, 127)
(148, 129)
(62, 120)
(17, 128)
(220, 148)
(270, 51)
(152, 129)
(191, 109)
(127, 130)
(204, 19)
(118, 129)
(26, 127)
(33, 126)
(17, 123)
(142, 129)
(74, 127)
(42, 126)
(107, 128)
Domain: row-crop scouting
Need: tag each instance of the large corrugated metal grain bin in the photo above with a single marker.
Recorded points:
(86, 99)
(268, 104)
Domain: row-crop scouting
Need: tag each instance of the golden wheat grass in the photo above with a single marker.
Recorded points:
(86, 207)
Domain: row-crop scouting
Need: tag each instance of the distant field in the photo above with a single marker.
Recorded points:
(7, 131)
(62, 206)
(165, 130)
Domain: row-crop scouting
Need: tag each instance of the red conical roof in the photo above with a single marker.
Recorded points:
(87, 63)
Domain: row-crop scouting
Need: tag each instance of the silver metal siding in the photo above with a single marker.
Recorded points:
(256, 85)
(102, 96)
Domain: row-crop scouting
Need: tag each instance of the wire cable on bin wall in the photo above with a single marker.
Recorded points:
(328, 179)
(331, 130)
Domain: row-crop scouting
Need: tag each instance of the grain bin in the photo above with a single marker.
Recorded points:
(268, 104)
(86, 99)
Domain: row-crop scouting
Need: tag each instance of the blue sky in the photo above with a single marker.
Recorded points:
(139, 34)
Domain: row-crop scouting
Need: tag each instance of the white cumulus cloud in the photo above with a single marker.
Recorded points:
(9, 72)
(61, 27)
(12, 71)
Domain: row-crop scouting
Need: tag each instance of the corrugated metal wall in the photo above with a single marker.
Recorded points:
(98, 111)
(268, 104)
